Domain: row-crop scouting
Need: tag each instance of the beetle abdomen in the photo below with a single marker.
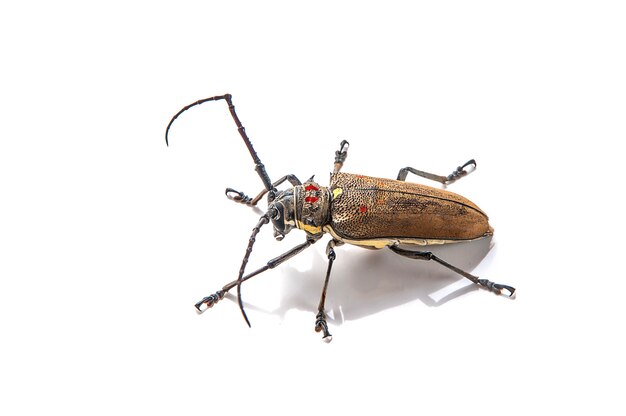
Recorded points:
(368, 208)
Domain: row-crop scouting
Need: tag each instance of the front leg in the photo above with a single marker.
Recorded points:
(242, 198)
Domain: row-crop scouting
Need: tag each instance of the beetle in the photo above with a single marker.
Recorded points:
(360, 210)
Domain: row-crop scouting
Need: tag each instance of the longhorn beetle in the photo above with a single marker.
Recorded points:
(359, 210)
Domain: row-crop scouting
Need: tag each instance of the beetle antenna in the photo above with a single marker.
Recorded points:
(259, 167)
(187, 107)
(262, 221)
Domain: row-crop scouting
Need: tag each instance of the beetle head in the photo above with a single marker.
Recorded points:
(282, 213)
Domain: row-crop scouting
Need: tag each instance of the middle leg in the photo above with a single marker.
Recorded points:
(320, 319)
(341, 155)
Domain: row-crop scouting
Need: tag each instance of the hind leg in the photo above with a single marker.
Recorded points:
(446, 180)
(497, 288)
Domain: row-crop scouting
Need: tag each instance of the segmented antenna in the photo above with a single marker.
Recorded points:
(262, 221)
(259, 167)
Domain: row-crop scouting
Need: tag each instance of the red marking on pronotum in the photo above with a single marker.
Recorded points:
(311, 188)
(311, 199)
(362, 208)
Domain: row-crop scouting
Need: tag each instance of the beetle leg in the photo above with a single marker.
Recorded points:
(341, 155)
(211, 300)
(320, 318)
(242, 198)
(446, 180)
(460, 171)
(497, 288)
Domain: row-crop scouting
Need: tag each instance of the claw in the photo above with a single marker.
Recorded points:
(202, 305)
(209, 301)
(321, 325)
(496, 287)
(237, 196)
(469, 162)
(460, 171)
(509, 289)
(341, 155)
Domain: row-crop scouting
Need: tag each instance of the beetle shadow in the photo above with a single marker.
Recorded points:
(365, 282)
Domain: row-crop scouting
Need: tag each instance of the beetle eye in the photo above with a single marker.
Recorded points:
(274, 213)
(281, 213)
(277, 215)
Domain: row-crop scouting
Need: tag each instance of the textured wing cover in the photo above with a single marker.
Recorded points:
(364, 208)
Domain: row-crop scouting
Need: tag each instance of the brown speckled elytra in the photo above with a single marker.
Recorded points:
(360, 210)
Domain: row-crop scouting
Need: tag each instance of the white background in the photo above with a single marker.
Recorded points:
(108, 237)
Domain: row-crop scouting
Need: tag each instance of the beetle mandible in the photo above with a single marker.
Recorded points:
(359, 210)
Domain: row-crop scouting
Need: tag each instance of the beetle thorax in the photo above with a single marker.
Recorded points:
(312, 203)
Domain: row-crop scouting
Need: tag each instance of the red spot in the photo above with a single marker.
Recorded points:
(362, 208)
(311, 188)
(311, 199)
